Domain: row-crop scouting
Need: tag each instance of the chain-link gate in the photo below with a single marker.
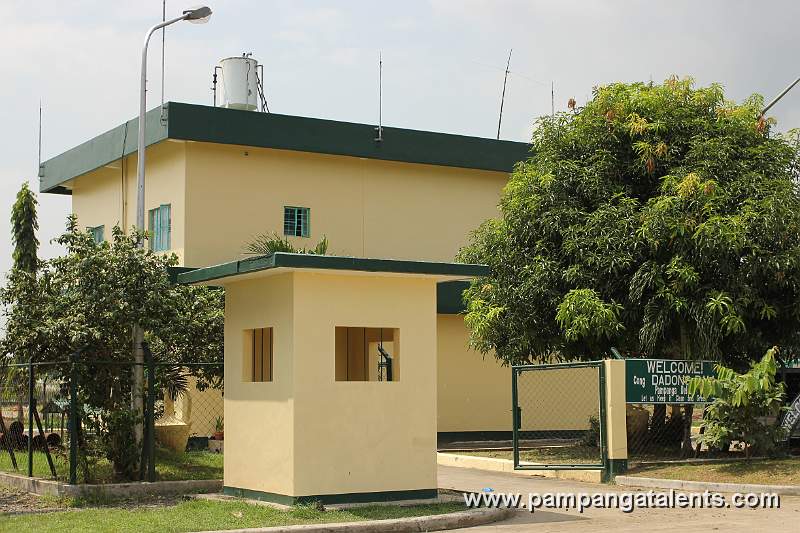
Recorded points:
(559, 416)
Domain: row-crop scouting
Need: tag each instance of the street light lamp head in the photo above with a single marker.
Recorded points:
(197, 15)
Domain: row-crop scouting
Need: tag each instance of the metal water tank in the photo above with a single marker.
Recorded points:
(239, 83)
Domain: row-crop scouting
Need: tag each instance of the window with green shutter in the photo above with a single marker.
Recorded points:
(296, 221)
(160, 221)
(98, 233)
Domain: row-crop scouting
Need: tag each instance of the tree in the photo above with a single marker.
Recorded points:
(88, 300)
(660, 219)
(24, 224)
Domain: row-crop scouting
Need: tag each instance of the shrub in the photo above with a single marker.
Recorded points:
(592, 436)
(743, 407)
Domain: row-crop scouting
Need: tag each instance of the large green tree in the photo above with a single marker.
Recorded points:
(661, 219)
(86, 300)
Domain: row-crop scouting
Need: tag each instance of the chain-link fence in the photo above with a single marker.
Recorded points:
(76, 421)
(663, 432)
(559, 411)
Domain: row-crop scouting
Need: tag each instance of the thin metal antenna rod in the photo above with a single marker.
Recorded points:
(552, 98)
(379, 129)
(503, 97)
(39, 165)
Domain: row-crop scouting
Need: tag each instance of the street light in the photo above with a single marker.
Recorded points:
(781, 95)
(199, 15)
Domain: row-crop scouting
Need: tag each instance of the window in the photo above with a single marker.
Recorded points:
(160, 228)
(367, 354)
(296, 221)
(257, 364)
(98, 233)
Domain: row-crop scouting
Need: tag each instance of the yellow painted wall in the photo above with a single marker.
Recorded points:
(474, 393)
(107, 195)
(260, 416)
(364, 436)
(365, 207)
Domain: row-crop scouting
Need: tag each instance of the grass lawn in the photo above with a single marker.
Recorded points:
(170, 466)
(198, 515)
(559, 454)
(759, 471)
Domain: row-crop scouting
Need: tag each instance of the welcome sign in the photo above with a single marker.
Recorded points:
(663, 380)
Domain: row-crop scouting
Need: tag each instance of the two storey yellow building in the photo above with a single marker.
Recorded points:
(215, 178)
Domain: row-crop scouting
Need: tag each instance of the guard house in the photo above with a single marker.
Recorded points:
(330, 376)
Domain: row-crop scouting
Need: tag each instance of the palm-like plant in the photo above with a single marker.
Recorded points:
(269, 243)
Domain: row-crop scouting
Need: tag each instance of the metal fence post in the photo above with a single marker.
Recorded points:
(515, 416)
(73, 419)
(31, 400)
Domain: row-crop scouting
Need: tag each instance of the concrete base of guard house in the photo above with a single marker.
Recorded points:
(506, 465)
(46, 487)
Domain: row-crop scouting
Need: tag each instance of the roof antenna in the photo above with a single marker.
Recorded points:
(39, 167)
(552, 98)
(503, 97)
(379, 129)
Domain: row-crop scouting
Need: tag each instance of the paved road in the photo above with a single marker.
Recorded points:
(787, 518)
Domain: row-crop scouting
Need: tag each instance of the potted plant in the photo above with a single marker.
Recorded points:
(218, 429)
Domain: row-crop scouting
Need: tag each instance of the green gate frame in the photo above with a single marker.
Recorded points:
(516, 415)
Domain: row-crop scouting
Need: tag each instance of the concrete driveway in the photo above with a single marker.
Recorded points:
(787, 518)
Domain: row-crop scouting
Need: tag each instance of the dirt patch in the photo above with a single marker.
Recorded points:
(15, 501)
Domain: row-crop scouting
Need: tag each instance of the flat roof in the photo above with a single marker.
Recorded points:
(328, 262)
(190, 122)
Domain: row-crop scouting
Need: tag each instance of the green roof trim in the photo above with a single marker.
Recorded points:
(450, 297)
(329, 262)
(199, 123)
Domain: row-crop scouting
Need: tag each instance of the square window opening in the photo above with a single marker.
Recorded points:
(257, 362)
(367, 354)
(296, 221)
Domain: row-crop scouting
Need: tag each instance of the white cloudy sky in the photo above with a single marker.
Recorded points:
(443, 63)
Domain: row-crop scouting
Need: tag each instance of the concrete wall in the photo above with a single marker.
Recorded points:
(364, 436)
(366, 208)
(107, 196)
(260, 416)
(474, 392)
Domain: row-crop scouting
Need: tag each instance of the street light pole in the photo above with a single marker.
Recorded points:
(781, 95)
(199, 15)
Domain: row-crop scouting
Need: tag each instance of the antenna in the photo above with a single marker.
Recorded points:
(552, 98)
(39, 166)
(503, 97)
(379, 129)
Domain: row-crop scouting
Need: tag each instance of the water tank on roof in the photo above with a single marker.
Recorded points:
(238, 83)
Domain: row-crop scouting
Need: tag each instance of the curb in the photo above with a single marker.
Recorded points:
(679, 484)
(460, 519)
(505, 465)
(48, 487)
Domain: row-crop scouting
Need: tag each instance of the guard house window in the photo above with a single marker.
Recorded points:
(367, 354)
(257, 363)
(98, 233)
(160, 221)
(296, 221)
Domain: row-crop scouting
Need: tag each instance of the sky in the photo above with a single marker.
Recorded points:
(443, 64)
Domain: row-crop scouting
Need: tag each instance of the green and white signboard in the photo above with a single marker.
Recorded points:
(663, 380)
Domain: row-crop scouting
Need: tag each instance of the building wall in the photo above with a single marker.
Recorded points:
(474, 392)
(366, 208)
(260, 417)
(107, 195)
(364, 436)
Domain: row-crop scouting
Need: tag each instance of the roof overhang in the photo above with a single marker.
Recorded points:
(189, 122)
(280, 262)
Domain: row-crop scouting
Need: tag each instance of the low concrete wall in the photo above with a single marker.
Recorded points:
(506, 465)
(45, 487)
(698, 486)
